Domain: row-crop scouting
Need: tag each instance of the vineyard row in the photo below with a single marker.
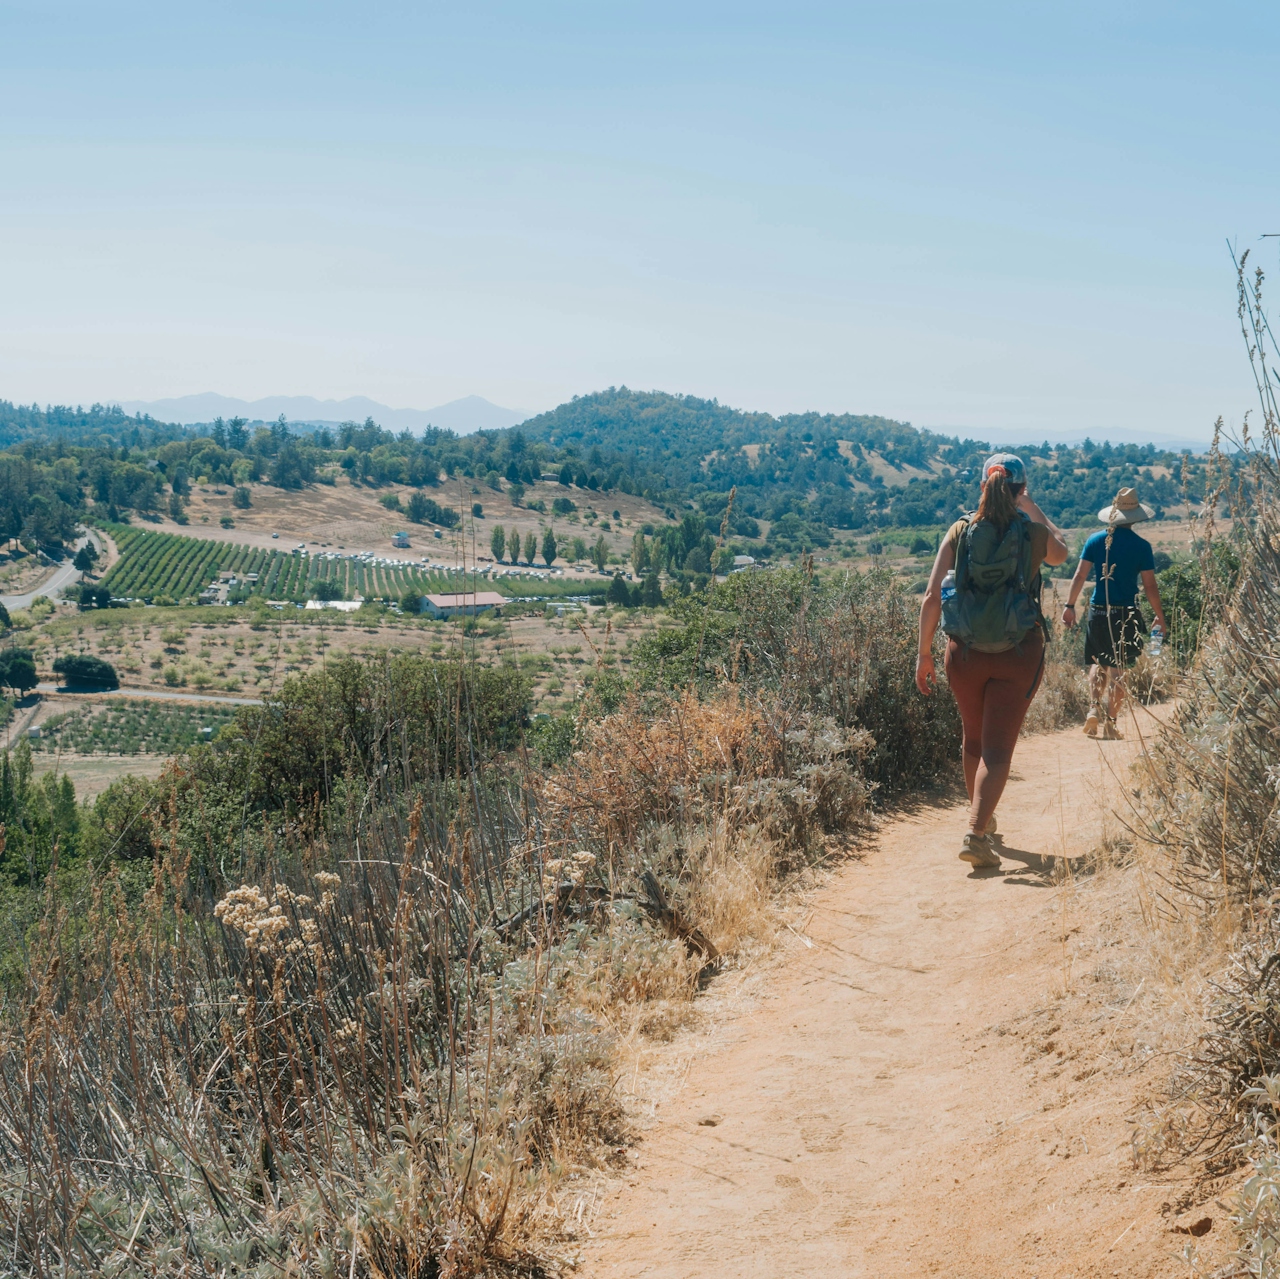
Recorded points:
(159, 566)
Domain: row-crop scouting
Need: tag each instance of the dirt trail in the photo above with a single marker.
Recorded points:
(938, 1085)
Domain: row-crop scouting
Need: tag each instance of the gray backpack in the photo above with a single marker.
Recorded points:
(993, 607)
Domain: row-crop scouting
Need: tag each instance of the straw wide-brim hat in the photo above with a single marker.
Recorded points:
(1126, 510)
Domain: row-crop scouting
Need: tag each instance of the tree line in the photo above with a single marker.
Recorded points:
(804, 473)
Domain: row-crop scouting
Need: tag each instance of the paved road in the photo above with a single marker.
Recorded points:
(158, 694)
(51, 586)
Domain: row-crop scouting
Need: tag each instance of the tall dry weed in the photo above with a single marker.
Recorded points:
(1211, 792)
(1208, 808)
(345, 1071)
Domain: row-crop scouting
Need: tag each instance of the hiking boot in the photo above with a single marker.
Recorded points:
(978, 851)
(1091, 722)
(1110, 733)
(990, 832)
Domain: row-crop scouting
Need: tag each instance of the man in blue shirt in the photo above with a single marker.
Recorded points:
(1118, 559)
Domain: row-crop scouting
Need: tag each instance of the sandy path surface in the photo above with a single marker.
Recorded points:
(937, 1086)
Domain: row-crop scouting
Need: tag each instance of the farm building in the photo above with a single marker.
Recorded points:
(400, 539)
(465, 604)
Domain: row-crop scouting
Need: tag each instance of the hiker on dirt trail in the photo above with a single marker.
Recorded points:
(985, 589)
(1118, 558)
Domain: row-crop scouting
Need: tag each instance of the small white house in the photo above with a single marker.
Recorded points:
(340, 606)
(463, 604)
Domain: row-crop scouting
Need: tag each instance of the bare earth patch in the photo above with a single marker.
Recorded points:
(92, 774)
(350, 516)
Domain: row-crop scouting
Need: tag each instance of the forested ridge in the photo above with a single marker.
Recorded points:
(836, 470)
(805, 474)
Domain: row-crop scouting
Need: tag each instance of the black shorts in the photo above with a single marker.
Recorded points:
(1114, 636)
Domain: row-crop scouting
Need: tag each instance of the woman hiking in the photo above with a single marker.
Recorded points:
(985, 589)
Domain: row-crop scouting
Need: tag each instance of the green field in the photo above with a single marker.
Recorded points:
(130, 727)
(167, 566)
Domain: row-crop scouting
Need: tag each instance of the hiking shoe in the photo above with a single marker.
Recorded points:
(990, 832)
(1091, 722)
(1110, 733)
(978, 851)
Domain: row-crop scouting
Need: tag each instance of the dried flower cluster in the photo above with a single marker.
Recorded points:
(249, 911)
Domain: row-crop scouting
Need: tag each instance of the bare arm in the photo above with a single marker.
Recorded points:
(930, 615)
(1056, 551)
(1083, 569)
(1152, 591)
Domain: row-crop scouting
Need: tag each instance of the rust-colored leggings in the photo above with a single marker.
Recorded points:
(993, 692)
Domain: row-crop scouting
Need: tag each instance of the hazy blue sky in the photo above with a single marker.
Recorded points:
(1010, 218)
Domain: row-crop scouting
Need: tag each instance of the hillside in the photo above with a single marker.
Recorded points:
(838, 471)
(797, 477)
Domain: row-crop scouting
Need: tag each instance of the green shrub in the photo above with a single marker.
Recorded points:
(423, 509)
(85, 670)
(845, 650)
(552, 738)
(18, 669)
(299, 747)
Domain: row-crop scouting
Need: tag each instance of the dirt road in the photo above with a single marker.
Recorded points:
(940, 1084)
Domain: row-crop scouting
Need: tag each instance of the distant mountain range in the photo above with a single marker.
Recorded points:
(471, 413)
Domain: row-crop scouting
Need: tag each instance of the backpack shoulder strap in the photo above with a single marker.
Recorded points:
(962, 552)
(1024, 549)
(1034, 589)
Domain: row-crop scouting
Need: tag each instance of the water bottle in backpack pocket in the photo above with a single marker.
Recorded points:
(992, 608)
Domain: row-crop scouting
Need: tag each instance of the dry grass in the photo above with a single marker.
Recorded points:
(1208, 810)
(350, 1072)
(731, 759)
(1062, 700)
(382, 1054)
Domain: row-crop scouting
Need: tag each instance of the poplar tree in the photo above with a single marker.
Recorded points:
(600, 553)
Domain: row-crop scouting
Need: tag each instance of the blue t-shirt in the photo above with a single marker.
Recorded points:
(1115, 575)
